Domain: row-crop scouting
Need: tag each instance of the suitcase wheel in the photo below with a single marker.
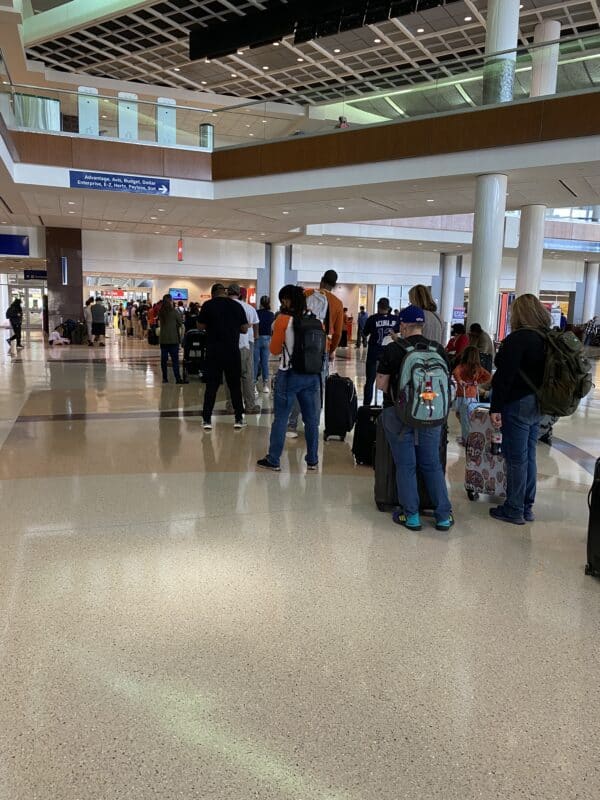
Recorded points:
(381, 507)
(589, 570)
(473, 496)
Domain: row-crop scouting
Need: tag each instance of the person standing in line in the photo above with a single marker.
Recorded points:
(361, 339)
(14, 314)
(411, 447)
(483, 342)
(515, 407)
(457, 343)
(246, 353)
(333, 321)
(292, 385)
(377, 328)
(263, 342)
(590, 331)
(224, 321)
(469, 375)
(420, 296)
(171, 327)
(98, 322)
(87, 316)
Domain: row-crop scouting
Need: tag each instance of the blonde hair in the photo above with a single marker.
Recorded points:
(420, 296)
(527, 312)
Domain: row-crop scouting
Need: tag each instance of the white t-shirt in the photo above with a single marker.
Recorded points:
(246, 339)
(286, 354)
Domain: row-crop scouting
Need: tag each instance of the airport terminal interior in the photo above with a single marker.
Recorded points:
(176, 622)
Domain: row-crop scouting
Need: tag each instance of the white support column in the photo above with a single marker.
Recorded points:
(591, 291)
(544, 68)
(448, 271)
(531, 249)
(502, 35)
(88, 110)
(488, 245)
(277, 272)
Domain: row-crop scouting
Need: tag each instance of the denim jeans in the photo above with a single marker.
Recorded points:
(520, 427)
(370, 375)
(320, 399)
(261, 358)
(464, 406)
(412, 448)
(171, 350)
(291, 386)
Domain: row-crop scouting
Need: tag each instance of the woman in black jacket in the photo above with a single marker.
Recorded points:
(14, 315)
(515, 407)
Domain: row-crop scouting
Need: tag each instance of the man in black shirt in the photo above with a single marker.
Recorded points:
(223, 320)
(378, 327)
(412, 447)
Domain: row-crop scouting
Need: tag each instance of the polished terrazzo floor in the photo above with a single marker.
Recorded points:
(175, 624)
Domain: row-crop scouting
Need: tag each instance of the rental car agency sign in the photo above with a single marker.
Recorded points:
(107, 182)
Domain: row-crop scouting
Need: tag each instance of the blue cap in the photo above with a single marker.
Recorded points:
(412, 315)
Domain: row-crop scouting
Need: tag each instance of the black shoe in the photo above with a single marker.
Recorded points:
(180, 382)
(266, 464)
(165, 380)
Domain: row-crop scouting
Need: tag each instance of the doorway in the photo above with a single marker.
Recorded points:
(32, 295)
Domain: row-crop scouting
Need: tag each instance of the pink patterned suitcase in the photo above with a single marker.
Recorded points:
(485, 472)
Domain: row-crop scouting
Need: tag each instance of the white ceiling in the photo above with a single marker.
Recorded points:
(150, 45)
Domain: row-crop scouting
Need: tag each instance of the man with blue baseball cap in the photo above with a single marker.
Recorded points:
(413, 373)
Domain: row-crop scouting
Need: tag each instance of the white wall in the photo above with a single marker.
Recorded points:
(143, 255)
(558, 275)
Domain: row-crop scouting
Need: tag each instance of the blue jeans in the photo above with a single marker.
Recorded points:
(295, 412)
(412, 448)
(464, 406)
(171, 350)
(261, 358)
(291, 386)
(520, 427)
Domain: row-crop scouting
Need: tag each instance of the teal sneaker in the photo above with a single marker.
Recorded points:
(445, 524)
(412, 521)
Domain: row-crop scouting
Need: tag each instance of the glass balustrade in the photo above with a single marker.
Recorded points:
(451, 85)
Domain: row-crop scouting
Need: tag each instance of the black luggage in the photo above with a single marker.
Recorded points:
(344, 339)
(340, 406)
(79, 334)
(152, 335)
(363, 445)
(194, 354)
(386, 492)
(593, 543)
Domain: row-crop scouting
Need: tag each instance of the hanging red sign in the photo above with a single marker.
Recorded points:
(180, 250)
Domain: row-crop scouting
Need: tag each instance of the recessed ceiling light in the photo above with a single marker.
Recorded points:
(299, 59)
(420, 30)
(275, 44)
(240, 52)
(215, 115)
(431, 201)
(176, 69)
(106, 229)
(247, 125)
(341, 208)
(207, 60)
(161, 209)
(264, 121)
(377, 41)
(285, 212)
(233, 75)
(468, 19)
(250, 134)
(71, 202)
(103, 116)
(249, 238)
(156, 231)
(203, 83)
(265, 68)
(71, 212)
(337, 50)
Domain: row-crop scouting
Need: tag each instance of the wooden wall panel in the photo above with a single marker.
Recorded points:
(43, 148)
(7, 137)
(566, 117)
(95, 154)
(187, 164)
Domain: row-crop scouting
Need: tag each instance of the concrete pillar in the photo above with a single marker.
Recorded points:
(488, 244)
(590, 298)
(502, 35)
(544, 67)
(65, 275)
(278, 264)
(595, 213)
(531, 250)
(448, 270)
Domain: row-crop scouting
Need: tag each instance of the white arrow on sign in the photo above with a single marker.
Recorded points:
(163, 189)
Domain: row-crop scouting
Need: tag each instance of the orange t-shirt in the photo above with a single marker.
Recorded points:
(336, 318)
(466, 384)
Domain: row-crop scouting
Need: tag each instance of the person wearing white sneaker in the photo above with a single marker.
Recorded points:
(263, 341)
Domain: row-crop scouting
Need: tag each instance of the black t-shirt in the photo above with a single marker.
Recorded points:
(224, 319)
(391, 360)
(525, 350)
(377, 327)
(265, 321)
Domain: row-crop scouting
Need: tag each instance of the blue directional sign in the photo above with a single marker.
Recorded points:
(107, 182)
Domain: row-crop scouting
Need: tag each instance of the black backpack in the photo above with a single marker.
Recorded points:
(309, 345)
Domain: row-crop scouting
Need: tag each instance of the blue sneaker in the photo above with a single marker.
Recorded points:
(445, 524)
(412, 521)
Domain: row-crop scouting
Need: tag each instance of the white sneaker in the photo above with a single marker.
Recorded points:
(255, 393)
(266, 389)
(291, 435)
(240, 423)
(207, 426)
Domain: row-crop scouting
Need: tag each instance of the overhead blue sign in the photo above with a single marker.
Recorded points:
(107, 182)
(12, 244)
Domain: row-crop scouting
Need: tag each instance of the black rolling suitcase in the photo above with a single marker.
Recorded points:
(593, 544)
(340, 406)
(194, 354)
(152, 335)
(363, 446)
(79, 334)
(386, 492)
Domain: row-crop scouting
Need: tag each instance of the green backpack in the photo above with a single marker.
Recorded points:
(567, 374)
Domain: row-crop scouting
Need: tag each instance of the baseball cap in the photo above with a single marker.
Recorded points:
(412, 315)
(234, 289)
